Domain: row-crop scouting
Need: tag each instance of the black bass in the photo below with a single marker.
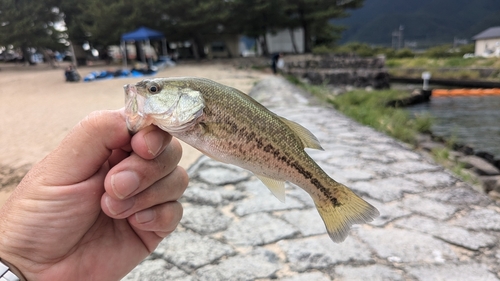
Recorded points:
(231, 127)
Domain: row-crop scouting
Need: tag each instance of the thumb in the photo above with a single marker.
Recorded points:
(86, 148)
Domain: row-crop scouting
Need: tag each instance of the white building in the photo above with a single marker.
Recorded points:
(488, 43)
(282, 41)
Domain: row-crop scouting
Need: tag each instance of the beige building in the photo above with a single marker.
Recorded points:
(225, 46)
(488, 43)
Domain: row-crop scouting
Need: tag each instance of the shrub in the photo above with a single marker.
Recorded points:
(404, 53)
(360, 49)
(442, 51)
(322, 49)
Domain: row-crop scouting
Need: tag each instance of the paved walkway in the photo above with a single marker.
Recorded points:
(432, 226)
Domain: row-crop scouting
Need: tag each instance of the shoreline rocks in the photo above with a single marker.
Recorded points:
(416, 97)
(479, 164)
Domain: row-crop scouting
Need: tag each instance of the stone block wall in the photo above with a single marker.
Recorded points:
(339, 70)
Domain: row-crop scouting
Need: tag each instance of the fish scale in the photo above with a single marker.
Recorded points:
(255, 131)
(231, 127)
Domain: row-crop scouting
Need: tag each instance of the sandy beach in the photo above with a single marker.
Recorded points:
(38, 108)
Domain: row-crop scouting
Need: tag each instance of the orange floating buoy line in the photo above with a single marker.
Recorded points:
(465, 92)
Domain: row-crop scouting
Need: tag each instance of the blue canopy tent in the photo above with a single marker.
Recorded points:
(142, 34)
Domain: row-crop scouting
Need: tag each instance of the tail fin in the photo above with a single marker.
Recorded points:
(339, 218)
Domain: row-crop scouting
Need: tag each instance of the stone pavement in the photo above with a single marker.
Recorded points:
(432, 225)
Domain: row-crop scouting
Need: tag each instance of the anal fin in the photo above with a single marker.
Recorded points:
(277, 187)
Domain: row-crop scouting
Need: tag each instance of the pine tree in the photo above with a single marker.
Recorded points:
(256, 18)
(196, 21)
(314, 16)
(28, 24)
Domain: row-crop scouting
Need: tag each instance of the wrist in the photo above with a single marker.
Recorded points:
(13, 269)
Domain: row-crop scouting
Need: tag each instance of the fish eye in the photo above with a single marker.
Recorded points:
(153, 89)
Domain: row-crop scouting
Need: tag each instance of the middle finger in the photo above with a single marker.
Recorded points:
(134, 174)
(169, 188)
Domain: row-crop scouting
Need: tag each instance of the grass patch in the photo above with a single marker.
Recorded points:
(258, 67)
(369, 108)
(320, 91)
(442, 156)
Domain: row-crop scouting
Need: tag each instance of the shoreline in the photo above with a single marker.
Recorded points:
(482, 168)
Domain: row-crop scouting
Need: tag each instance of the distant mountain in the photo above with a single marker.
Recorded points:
(426, 22)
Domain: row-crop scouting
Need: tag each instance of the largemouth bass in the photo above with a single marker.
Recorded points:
(229, 126)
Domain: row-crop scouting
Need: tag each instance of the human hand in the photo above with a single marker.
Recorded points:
(97, 205)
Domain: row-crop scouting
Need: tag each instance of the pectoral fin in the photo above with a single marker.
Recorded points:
(277, 187)
(307, 138)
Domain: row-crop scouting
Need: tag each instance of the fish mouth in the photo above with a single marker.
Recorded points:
(134, 109)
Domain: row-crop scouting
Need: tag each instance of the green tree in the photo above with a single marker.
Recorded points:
(196, 21)
(30, 24)
(75, 18)
(104, 21)
(256, 18)
(314, 16)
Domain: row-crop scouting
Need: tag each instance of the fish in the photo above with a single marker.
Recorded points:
(231, 127)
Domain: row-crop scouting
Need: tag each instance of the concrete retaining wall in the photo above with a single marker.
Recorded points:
(339, 70)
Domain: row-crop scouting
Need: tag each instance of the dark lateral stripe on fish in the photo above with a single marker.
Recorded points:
(295, 164)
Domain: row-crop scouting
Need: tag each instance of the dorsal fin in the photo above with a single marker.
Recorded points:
(307, 138)
(277, 187)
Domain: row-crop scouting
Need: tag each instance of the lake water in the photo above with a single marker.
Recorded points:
(472, 120)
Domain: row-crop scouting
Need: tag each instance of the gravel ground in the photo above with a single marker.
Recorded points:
(432, 225)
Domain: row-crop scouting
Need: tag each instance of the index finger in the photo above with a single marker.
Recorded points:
(88, 145)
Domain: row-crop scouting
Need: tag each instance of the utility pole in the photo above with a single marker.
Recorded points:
(400, 44)
(397, 38)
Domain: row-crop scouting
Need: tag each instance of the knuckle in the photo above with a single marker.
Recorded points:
(91, 121)
(183, 177)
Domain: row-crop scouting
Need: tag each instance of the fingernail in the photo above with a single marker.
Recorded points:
(119, 207)
(163, 233)
(154, 142)
(145, 216)
(124, 183)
